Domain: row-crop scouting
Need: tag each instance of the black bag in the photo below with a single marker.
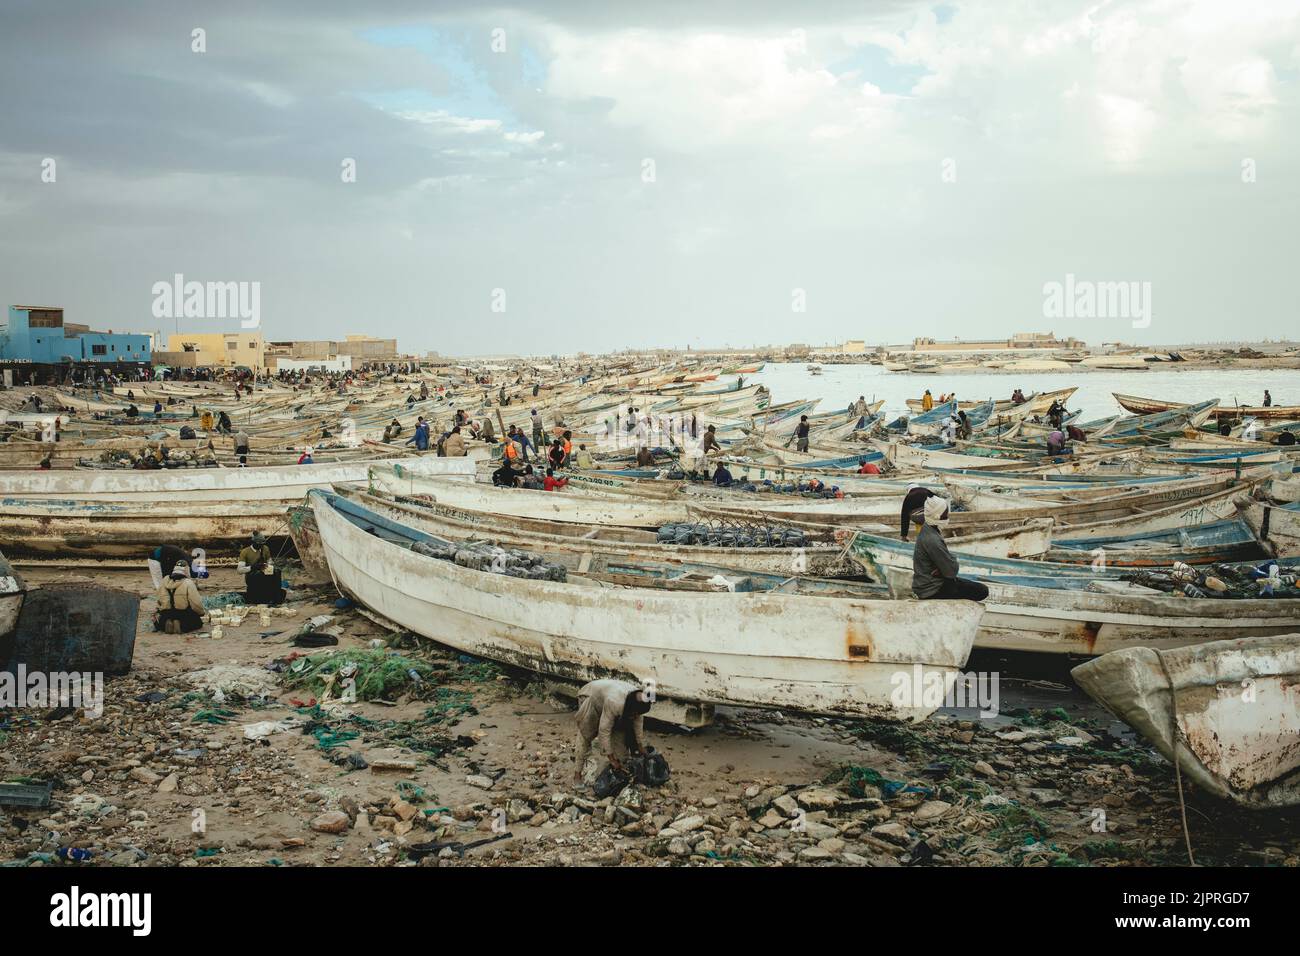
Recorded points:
(609, 783)
(651, 770)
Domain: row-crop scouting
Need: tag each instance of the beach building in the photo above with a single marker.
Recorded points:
(37, 334)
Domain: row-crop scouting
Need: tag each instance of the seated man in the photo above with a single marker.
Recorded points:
(261, 578)
(180, 608)
(722, 477)
(934, 569)
(505, 476)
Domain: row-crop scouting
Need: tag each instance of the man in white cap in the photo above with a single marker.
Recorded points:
(606, 705)
(934, 569)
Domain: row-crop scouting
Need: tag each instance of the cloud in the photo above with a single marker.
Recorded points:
(792, 147)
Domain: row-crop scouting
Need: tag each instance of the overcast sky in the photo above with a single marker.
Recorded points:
(656, 173)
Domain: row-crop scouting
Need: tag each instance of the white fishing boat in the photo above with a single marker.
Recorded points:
(1227, 711)
(1071, 609)
(276, 483)
(100, 529)
(821, 655)
(823, 556)
(586, 506)
(1130, 513)
(1285, 490)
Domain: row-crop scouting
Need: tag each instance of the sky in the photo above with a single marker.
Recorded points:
(593, 176)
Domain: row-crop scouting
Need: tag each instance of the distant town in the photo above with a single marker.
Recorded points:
(38, 345)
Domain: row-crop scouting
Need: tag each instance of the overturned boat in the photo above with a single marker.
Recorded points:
(65, 628)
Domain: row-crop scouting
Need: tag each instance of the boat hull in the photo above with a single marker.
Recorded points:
(818, 655)
(1024, 612)
(1236, 706)
(274, 483)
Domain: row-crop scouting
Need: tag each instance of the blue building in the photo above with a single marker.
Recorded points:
(37, 334)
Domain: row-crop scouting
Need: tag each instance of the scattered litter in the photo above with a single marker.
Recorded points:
(265, 728)
(418, 851)
(234, 680)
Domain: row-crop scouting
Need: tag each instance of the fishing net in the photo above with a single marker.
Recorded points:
(378, 674)
(484, 556)
(732, 534)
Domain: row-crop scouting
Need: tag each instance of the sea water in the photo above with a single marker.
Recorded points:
(838, 385)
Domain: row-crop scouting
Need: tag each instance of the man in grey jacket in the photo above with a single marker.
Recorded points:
(934, 569)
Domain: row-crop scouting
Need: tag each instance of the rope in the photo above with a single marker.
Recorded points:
(1173, 742)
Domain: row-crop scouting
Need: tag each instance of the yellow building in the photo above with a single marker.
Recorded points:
(222, 348)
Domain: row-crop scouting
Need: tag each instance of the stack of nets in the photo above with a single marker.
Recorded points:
(732, 535)
(482, 556)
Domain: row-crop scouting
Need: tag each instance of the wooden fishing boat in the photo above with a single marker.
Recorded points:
(100, 529)
(922, 424)
(1147, 406)
(820, 655)
(1130, 514)
(1228, 712)
(1036, 404)
(821, 553)
(1284, 490)
(277, 483)
(307, 542)
(591, 508)
(585, 507)
(1071, 609)
(1230, 540)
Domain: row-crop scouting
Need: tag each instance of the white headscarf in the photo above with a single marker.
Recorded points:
(934, 509)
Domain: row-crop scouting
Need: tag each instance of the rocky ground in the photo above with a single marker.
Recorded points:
(471, 765)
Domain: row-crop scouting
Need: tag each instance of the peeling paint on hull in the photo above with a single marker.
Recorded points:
(1237, 705)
